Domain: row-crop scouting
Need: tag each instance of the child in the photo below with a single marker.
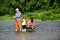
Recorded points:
(24, 23)
(31, 24)
(18, 19)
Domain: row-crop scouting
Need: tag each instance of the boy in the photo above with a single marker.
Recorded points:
(31, 24)
(24, 23)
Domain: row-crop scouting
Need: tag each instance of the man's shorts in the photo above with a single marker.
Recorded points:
(18, 24)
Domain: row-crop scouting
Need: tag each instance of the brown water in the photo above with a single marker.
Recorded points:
(44, 31)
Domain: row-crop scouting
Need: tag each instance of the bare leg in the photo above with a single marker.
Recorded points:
(16, 29)
(17, 26)
(20, 25)
(33, 27)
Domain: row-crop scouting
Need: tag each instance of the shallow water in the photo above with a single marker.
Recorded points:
(44, 31)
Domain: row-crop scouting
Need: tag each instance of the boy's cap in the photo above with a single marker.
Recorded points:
(16, 9)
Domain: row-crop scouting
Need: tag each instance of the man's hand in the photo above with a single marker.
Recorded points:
(14, 17)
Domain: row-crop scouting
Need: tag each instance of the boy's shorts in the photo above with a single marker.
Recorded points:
(24, 26)
(30, 27)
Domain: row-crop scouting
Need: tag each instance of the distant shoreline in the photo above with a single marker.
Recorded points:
(35, 20)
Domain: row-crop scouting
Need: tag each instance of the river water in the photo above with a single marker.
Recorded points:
(45, 30)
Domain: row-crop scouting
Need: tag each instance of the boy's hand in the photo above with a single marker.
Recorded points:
(14, 17)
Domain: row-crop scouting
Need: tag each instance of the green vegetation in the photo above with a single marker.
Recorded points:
(53, 14)
(6, 17)
(38, 9)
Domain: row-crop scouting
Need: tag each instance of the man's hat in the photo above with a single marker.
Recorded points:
(16, 9)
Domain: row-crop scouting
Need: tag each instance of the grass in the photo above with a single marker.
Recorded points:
(6, 17)
(43, 15)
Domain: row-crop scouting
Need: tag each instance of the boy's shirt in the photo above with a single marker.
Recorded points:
(23, 22)
(18, 16)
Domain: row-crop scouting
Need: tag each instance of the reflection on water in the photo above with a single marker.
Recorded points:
(20, 36)
(24, 36)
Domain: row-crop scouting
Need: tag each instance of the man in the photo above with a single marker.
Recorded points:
(18, 19)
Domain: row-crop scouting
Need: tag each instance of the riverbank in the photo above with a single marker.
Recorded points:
(43, 15)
